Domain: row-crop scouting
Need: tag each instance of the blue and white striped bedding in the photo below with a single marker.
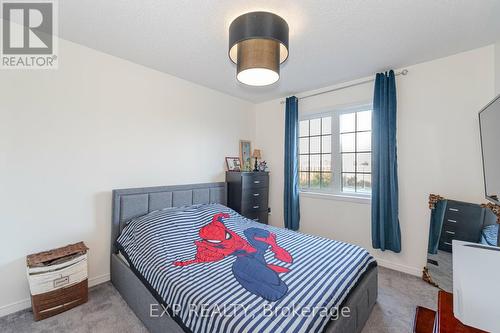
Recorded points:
(489, 235)
(320, 277)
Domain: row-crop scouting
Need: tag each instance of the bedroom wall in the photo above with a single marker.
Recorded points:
(70, 136)
(497, 67)
(439, 152)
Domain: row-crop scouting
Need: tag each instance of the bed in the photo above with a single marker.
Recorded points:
(171, 264)
(490, 233)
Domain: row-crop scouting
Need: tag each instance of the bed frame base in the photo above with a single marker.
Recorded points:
(140, 299)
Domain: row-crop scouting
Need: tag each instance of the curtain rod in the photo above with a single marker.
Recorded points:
(403, 72)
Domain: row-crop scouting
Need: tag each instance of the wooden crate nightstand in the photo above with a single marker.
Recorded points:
(58, 279)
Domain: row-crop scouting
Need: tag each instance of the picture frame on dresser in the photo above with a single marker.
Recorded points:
(233, 164)
(246, 155)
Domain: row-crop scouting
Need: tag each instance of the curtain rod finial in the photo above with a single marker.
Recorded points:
(404, 72)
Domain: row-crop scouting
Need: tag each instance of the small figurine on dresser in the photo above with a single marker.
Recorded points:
(263, 166)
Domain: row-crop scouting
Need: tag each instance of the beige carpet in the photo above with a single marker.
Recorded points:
(106, 311)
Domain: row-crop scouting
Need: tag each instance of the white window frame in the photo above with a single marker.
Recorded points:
(335, 192)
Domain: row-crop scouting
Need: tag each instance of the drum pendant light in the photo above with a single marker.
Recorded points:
(258, 44)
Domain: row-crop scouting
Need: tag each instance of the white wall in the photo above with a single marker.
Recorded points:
(70, 136)
(497, 67)
(438, 145)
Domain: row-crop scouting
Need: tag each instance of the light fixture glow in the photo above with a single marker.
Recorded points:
(258, 77)
(258, 44)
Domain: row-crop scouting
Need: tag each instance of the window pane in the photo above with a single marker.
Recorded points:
(314, 160)
(304, 145)
(326, 162)
(364, 162)
(347, 142)
(348, 161)
(347, 122)
(348, 182)
(315, 178)
(364, 183)
(364, 121)
(315, 126)
(326, 145)
(315, 144)
(326, 125)
(303, 179)
(304, 163)
(364, 142)
(304, 128)
(326, 180)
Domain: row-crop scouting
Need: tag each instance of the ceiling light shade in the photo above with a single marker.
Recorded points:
(258, 44)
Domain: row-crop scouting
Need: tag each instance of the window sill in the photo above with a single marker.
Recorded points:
(338, 197)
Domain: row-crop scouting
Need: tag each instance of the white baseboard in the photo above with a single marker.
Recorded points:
(99, 279)
(401, 268)
(14, 307)
(26, 303)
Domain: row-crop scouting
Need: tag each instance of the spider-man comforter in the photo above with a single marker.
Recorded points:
(217, 271)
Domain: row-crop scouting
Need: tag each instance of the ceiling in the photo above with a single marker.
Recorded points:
(331, 41)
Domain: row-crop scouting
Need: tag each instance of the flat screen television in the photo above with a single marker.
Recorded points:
(489, 122)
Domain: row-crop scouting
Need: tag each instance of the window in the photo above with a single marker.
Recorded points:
(315, 153)
(355, 149)
(335, 152)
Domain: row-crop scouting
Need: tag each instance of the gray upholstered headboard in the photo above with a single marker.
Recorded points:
(134, 202)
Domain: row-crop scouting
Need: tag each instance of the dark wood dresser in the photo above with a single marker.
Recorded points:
(462, 221)
(248, 194)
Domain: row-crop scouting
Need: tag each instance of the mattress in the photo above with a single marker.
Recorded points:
(220, 272)
(489, 235)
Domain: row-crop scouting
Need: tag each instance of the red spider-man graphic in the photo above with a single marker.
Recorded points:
(250, 268)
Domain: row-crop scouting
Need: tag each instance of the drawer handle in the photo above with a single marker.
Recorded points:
(255, 207)
(256, 194)
(452, 221)
(256, 181)
(454, 209)
(447, 243)
(450, 232)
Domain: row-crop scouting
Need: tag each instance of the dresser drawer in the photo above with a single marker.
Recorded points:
(462, 212)
(451, 223)
(254, 206)
(448, 233)
(254, 180)
(260, 217)
(465, 219)
(445, 245)
(254, 199)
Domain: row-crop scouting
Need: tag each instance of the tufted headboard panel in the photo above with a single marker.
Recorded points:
(134, 202)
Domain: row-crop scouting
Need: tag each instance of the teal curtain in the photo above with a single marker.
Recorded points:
(386, 233)
(436, 224)
(291, 195)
